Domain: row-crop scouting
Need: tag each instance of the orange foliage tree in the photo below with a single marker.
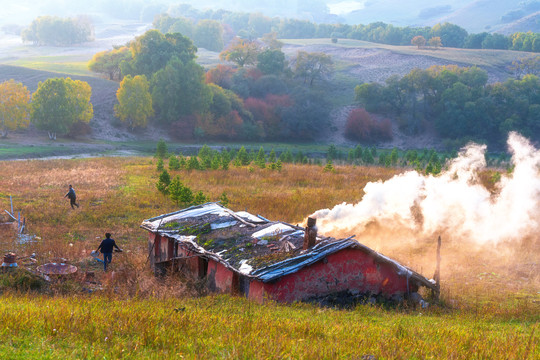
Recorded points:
(361, 127)
(14, 106)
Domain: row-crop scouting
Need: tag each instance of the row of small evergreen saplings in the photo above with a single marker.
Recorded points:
(427, 161)
(182, 194)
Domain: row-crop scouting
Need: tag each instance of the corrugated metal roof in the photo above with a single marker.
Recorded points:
(252, 245)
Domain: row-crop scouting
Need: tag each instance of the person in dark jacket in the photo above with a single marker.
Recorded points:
(72, 197)
(106, 248)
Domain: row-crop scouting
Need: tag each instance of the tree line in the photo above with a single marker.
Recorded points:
(254, 25)
(458, 103)
(56, 31)
(427, 161)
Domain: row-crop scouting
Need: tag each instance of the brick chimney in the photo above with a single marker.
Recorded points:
(310, 233)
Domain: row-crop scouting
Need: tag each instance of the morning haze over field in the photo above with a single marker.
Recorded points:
(300, 179)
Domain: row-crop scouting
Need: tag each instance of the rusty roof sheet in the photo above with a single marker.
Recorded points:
(252, 245)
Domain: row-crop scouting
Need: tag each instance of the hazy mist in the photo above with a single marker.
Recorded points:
(475, 16)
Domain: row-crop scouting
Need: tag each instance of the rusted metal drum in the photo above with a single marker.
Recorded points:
(57, 269)
(10, 260)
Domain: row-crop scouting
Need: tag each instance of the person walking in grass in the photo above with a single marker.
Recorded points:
(106, 248)
(72, 197)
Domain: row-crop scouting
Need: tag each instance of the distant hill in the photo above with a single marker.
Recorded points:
(475, 16)
(480, 15)
(525, 24)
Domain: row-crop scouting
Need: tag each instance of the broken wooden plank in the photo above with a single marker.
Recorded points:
(13, 217)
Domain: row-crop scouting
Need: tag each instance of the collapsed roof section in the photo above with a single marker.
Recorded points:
(254, 246)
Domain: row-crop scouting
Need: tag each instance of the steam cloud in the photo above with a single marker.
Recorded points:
(454, 202)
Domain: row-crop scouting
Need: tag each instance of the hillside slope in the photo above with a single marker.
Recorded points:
(355, 62)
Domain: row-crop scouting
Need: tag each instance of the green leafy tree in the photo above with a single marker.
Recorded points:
(186, 195)
(243, 156)
(358, 152)
(134, 101)
(451, 35)
(14, 106)
(216, 161)
(183, 26)
(208, 34)
(394, 157)
(179, 90)
(161, 149)
(331, 152)
(59, 103)
(225, 160)
(200, 198)
(329, 167)
(174, 163)
(175, 190)
(272, 156)
(163, 182)
(153, 50)
(193, 163)
(271, 62)
(260, 160)
(224, 199)
(160, 165)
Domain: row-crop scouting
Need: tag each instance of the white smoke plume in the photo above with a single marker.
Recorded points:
(453, 202)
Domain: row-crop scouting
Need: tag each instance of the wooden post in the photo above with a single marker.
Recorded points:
(437, 275)
(310, 233)
(11, 201)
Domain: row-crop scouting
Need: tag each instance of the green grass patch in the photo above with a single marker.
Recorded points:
(224, 327)
(71, 65)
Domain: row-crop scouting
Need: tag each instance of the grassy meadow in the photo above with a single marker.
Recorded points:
(489, 307)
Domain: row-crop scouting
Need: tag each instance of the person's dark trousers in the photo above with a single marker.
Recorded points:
(72, 202)
(107, 258)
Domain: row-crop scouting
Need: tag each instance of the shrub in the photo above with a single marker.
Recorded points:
(361, 127)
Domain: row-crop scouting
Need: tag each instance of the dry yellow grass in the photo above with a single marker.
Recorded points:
(116, 194)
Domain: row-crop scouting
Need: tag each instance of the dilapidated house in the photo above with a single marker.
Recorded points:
(240, 253)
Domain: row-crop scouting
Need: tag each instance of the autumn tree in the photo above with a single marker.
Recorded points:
(14, 106)
(435, 42)
(419, 41)
(271, 42)
(108, 62)
(221, 75)
(242, 52)
(59, 103)
(313, 66)
(134, 101)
